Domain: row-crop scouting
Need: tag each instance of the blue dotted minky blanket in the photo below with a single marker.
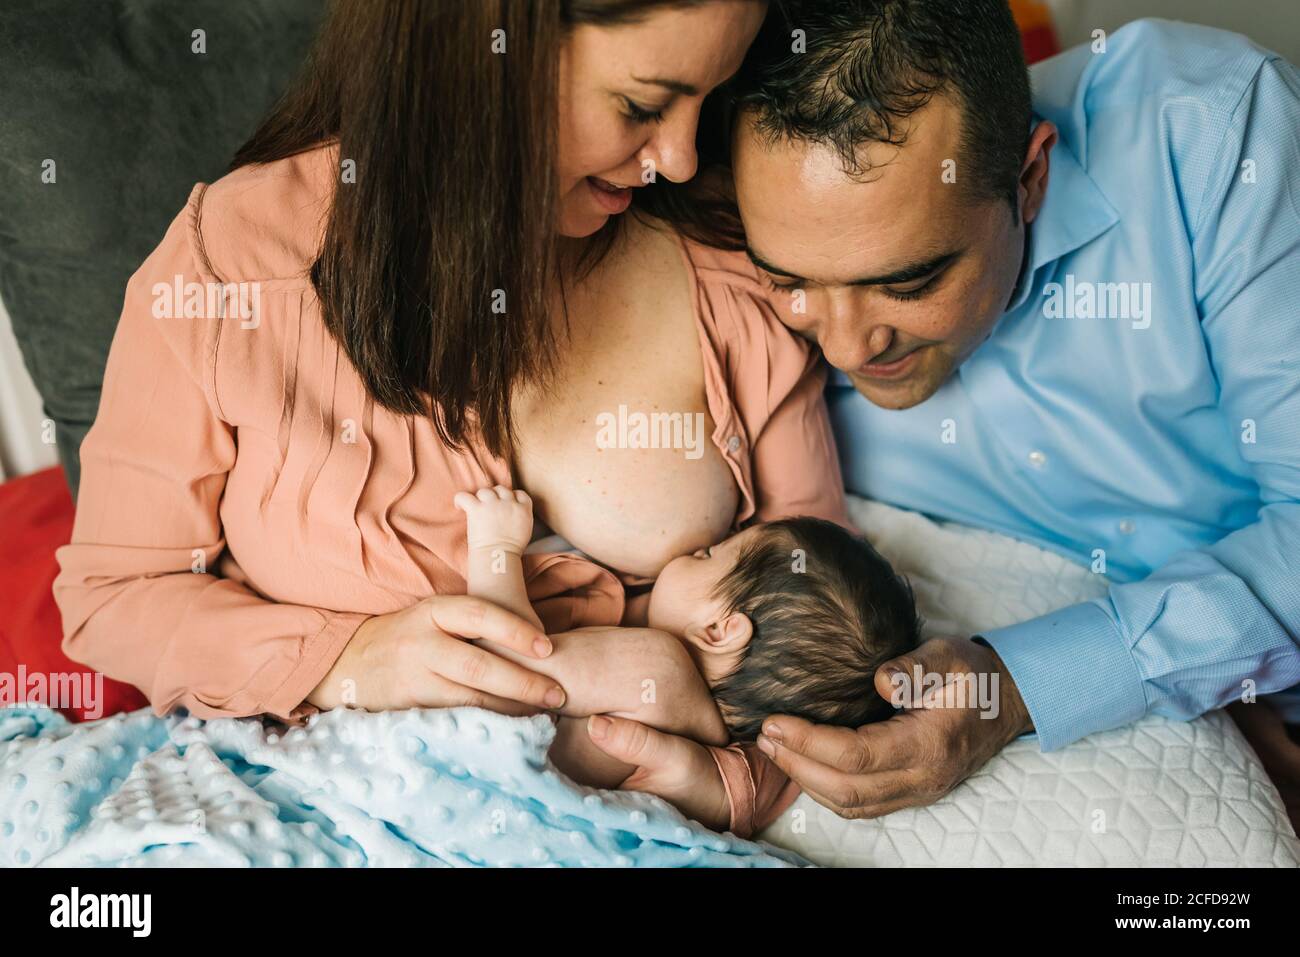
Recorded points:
(448, 787)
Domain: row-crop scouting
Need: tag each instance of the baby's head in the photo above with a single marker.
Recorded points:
(789, 617)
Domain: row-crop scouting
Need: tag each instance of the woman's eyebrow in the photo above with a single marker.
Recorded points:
(676, 86)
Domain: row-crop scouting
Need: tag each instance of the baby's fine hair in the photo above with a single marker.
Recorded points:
(827, 610)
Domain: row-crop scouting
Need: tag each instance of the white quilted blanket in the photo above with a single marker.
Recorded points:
(1156, 793)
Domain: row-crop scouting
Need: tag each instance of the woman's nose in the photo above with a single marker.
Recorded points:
(672, 148)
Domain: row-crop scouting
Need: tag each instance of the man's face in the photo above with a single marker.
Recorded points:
(903, 274)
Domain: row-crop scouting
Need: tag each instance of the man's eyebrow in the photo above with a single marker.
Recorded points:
(676, 86)
(904, 274)
(766, 266)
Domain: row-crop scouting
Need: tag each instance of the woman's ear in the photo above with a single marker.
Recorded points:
(726, 635)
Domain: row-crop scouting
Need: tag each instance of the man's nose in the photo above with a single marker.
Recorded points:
(848, 337)
(672, 148)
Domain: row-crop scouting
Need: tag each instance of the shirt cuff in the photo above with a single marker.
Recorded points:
(1074, 672)
(739, 784)
(288, 701)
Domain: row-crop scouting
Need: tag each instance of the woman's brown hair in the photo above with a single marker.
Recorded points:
(453, 207)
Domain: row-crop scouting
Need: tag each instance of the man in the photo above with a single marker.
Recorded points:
(1072, 320)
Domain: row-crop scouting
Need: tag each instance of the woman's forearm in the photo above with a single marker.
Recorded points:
(135, 588)
(193, 640)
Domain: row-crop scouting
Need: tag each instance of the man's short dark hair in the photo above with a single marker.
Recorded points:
(869, 64)
(827, 611)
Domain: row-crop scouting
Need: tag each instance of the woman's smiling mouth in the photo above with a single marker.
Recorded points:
(611, 197)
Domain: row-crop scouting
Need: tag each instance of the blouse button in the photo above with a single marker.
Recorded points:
(1037, 459)
(733, 444)
(1127, 527)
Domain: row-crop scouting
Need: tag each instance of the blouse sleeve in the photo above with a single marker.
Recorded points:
(137, 598)
(757, 790)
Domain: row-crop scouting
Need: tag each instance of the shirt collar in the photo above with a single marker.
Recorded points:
(1074, 213)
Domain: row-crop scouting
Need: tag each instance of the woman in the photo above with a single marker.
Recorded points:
(423, 224)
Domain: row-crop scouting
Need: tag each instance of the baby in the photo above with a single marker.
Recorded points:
(787, 617)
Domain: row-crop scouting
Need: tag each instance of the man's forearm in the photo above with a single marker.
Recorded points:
(1210, 627)
(1073, 674)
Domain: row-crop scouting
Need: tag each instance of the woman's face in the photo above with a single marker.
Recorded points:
(629, 101)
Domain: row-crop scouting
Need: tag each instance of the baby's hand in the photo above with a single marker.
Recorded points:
(497, 518)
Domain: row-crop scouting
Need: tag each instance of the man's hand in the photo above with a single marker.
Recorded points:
(917, 756)
(679, 770)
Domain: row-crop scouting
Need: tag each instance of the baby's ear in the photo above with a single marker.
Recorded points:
(729, 634)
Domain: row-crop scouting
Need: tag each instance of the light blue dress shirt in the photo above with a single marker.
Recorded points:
(1159, 435)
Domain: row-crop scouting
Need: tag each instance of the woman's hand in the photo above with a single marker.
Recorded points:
(421, 657)
(677, 769)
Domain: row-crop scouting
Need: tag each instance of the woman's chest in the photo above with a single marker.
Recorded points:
(618, 453)
(334, 501)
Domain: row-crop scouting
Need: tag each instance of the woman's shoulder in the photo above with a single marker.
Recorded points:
(265, 221)
(731, 266)
(227, 292)
(761, 357)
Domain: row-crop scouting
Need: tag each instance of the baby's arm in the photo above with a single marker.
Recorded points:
(638, 673)
(499, 525)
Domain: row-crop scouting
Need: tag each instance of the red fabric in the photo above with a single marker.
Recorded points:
(1039, 43)
(1037, 33)
(35, 519)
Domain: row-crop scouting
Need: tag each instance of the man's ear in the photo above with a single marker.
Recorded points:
(724, 636)
(1033, 174)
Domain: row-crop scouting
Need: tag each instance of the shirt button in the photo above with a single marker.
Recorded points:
(733, 444)
(1037, 459)
(1127, 527)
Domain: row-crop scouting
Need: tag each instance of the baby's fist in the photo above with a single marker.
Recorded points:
(497, 517)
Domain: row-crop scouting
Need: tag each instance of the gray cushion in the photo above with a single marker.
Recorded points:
(111, 91)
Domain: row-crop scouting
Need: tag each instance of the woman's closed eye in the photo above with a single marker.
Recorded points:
(642, 114)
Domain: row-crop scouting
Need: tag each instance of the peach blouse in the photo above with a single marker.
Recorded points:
(244, 504)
